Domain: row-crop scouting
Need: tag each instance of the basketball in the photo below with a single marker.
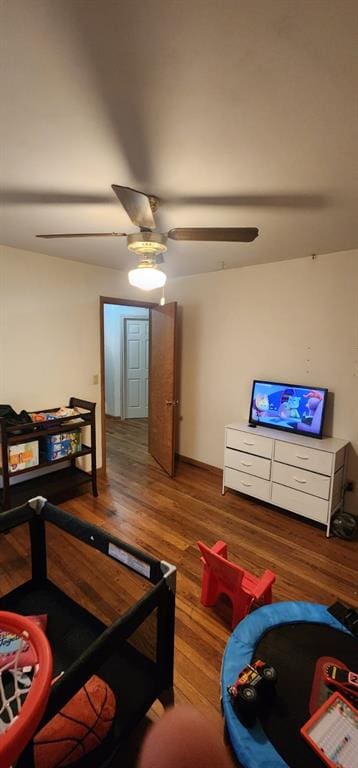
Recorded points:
(80, 726)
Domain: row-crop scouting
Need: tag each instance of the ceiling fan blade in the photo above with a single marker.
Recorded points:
(85, 234)
(139, 207)
(300, 200)
(44, 197)
(215, 234)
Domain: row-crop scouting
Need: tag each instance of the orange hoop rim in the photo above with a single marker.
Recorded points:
(15, 739)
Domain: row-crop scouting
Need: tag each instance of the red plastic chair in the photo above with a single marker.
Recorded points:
(220, 576)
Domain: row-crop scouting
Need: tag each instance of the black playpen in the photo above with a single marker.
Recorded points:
(82, 644)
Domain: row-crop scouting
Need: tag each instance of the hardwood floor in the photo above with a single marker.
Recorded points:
(166, 517)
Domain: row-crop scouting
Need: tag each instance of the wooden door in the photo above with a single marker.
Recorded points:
(162, 386)
(136, 333)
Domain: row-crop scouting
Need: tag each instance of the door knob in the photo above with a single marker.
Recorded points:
(172, 402)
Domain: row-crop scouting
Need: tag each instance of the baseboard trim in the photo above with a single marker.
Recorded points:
(201, 464)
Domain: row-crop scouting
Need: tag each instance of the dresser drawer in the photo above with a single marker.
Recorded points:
(253, 465)
(307, 458)
(250, 443)
(240, 481)
(301, 503)
(301, 480)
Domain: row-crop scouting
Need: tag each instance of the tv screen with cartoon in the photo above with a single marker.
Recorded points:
(289, 407)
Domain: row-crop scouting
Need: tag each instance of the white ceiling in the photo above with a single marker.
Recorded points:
(233, 112)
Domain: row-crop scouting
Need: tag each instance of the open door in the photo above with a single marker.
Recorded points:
(162, 381)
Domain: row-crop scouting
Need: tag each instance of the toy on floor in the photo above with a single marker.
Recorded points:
(332, 732)
(135, 672)
(290, 636)
(251, 685)
(331, 674)
(320, 691)
(80, 726)
(221, 576)
(24, 691)
(14, 650)
(348, 616)
(342, 679)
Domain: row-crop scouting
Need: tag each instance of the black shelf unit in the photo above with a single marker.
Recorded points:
(58, 485)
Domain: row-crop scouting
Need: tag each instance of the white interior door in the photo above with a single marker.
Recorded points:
(136, 358)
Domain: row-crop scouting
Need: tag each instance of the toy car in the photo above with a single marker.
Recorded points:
(253, 680)
(342, 679)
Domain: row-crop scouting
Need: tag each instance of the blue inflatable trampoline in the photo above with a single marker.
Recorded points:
(290, 636)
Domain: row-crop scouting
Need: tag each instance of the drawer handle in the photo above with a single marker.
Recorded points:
(304, 458)
(246, 463)
(303, 482)
(247, 485)
(246, 442)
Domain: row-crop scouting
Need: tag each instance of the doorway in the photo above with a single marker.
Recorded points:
(138, 383)
(125, 364)
(125, 360)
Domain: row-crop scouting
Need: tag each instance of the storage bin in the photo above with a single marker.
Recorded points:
(63, 444)
(23, 456)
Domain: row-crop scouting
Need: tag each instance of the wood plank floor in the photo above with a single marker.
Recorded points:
(166, 517)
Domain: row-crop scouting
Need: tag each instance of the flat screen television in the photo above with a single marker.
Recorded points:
(291, 407)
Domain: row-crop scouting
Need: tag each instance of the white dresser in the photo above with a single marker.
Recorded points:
(301, 474)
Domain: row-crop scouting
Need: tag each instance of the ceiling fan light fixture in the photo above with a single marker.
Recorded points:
(147, 276)
(147, 243)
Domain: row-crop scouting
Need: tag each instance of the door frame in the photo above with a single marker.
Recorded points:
(126, 303)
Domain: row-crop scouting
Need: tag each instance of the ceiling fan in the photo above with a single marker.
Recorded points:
(149, 245)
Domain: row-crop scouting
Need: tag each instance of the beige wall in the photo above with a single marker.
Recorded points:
(294, 321)
(49, 328)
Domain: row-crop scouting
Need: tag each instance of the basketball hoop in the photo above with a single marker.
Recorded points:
(23, 691)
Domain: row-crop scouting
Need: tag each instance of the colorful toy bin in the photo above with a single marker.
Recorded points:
(62, 445)
(23, 456)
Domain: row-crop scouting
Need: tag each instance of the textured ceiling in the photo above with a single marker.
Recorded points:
(233, 112)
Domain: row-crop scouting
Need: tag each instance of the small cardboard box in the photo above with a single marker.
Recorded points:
(23, 455)
(62, 445)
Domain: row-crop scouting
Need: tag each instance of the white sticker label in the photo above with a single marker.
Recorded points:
(130, 560)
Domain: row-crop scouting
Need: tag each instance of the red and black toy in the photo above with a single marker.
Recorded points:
(253, 681)
(343, 680)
